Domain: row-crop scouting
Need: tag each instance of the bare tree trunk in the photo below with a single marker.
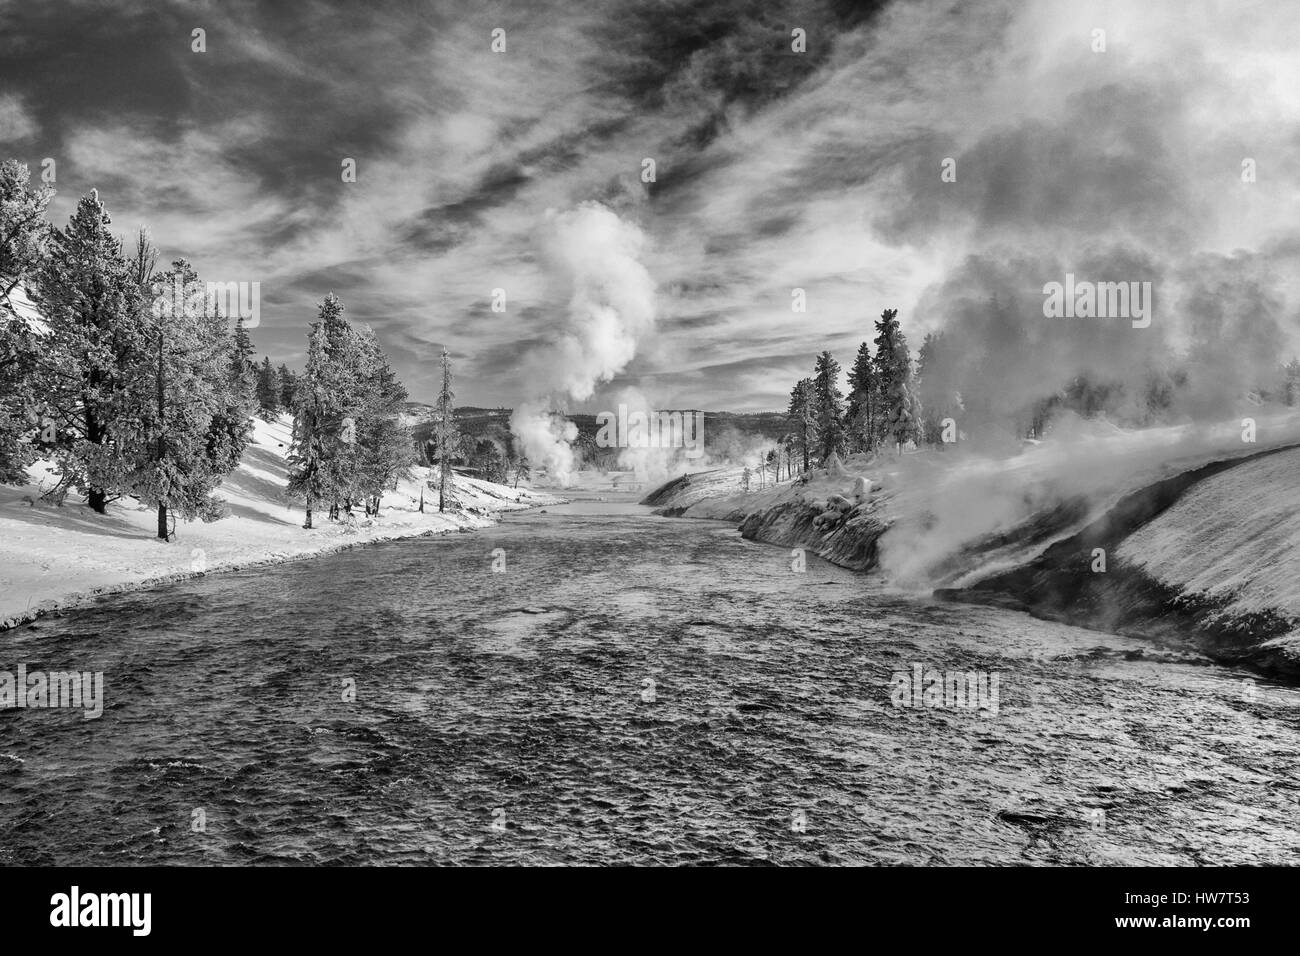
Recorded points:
(97, 498)
(162, 437)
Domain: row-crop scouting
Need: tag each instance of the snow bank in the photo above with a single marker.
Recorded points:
(53, 557)
(1201, 529)
(1231, 545)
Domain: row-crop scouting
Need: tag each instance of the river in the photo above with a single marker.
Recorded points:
(623, 689)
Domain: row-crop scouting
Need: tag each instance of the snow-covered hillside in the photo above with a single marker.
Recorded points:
(1233, 542)
(54, 556)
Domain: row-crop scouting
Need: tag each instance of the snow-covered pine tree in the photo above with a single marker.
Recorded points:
(24, 237)
(445, 432)
(311, 410)
(864, 397)
(193, 424)
(331, 399)
(24, 232)
(243, 371)
(802, 423)
(268, 389)
(21, 421)
(97, 344)
(900, 419)
(385, 447)
(285, 383)
(828, 407)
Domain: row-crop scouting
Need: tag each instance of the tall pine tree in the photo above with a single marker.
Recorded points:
(828, 407)
(24, 238)
(322, 456)
(285, 383)
(24, 233)
(311, 436)
(97, 344)
(803, 428)
(900, 419)
(243, 371)
(385, 448)
(267, 390)
(864, 397)
(193, 423)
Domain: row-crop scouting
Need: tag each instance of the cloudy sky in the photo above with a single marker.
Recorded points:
(775, 170)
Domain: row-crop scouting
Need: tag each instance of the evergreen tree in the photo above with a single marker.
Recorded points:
(22, 419)
(243, 371)
(445, 432)
(343, 371)
(900, 419)
(24, 233)
(864, 397)
(320, 458)
(828, 407)
(311, 433)
(97, 343)
(802, 424)
(24, 238)
(192, 425)
(268, 390)
(286, 381)
(488, 461)
(384, 446)
(349, 442)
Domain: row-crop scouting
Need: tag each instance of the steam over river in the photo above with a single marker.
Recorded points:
(510, 718)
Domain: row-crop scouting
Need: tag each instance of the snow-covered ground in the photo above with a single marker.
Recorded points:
(935, 503)
(58, 556)
(1226, 553)
(1233, 538)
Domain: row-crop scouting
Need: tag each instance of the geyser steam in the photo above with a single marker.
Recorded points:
(610, 308)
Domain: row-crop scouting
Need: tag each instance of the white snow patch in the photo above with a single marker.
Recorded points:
(52, 556)
(1234, 536)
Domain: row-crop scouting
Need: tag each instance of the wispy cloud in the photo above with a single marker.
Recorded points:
(16, 123)
(775, 170)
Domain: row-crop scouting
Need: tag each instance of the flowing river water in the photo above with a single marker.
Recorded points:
(626, 689)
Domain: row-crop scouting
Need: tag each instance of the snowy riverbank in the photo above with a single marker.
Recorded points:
(56, 557)
(1201, 531)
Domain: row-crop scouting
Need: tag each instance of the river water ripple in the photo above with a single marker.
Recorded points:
(508, 718)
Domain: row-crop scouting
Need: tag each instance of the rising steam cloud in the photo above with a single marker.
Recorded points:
(611, 306)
